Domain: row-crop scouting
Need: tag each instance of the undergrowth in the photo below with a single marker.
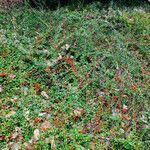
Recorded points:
(80, 77)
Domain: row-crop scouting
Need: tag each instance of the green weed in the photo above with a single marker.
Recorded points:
(80, 76)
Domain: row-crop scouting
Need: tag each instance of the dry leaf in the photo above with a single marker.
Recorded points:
(27, 146)
(53, 145)
(36, 87)
(10, 114)
(17, 129)
(127, 117)
(26, 115)
(125, 108)
(2, 74)
(82, 148)
(78, 112)
(44, 94)
(1, 88)
(54, 62)
(45, 51)
(144, 119)
(45, 125)
(12, 76)
(92, 146)
(14, 135)
(19, 138)
(36, 135)
(14, 146)
(48, 140)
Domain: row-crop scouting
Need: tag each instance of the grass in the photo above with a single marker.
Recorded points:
(78, 76)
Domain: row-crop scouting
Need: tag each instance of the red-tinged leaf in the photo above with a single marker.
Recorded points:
(114, 97)
(124, 109)
(144, 71)
(27, 146)
(133, 87)
(2, 137)
(70, 61)
(96, 119)
(19, 138)
(4, 53)
(118, 78)
(45, 125)
(97, 129)
(24, 83)
(94, 141)
(36, 87)
(57, 100)
(48, 69)
(99, 111)
(16, 134)
(13, 135)
(134, 114)
(2, 74)
(108, 103)
(56, 113)
(104, 90)
(37, 120)
(98, 93)
(125, 116)
(101, 98)
(83, 131)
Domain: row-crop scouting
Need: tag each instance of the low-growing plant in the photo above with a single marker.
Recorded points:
(74, 78)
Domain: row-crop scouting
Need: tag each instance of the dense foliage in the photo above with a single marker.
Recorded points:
(75, 78)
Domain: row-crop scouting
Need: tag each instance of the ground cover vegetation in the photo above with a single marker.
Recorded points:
(76, 77)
